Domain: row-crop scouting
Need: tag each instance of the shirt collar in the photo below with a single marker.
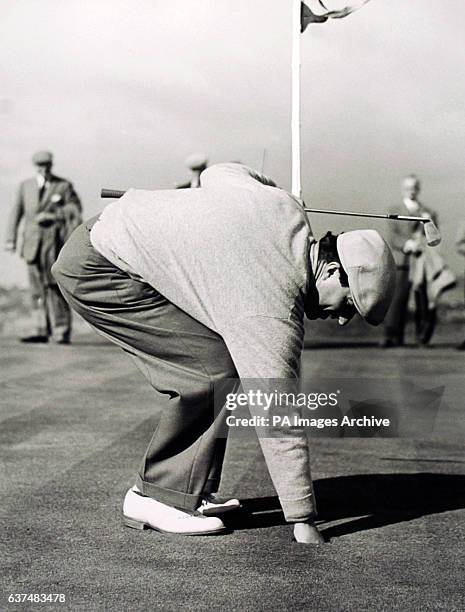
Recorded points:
(40, 180)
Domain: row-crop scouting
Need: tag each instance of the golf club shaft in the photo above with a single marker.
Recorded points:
(368, 215)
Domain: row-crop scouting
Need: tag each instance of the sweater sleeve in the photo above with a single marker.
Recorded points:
(267, 354)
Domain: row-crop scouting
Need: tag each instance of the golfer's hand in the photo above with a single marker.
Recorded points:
(307, 533)
(10, 247)
(46, 218)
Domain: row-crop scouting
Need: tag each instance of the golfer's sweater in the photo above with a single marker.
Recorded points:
(234, 255)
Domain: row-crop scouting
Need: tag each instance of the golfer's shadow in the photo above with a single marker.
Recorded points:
(370, 500)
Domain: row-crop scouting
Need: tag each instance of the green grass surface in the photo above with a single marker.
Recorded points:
(75, 422)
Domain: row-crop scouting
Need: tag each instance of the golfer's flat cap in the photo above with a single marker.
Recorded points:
(41, 158)
(371, 271)
(197, 161)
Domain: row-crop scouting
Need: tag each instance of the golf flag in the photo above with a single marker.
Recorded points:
(308, 16)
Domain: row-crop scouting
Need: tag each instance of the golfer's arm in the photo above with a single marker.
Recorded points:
(266, 352)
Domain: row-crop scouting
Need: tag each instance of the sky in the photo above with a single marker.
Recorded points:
(122, 91)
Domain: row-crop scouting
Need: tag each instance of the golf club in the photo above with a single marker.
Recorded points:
(433, 237)
(112, 193)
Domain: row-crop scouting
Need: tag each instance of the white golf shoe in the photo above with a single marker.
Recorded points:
(141, 512)
(216, 506)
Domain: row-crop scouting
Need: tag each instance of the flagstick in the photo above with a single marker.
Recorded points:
(296, 162)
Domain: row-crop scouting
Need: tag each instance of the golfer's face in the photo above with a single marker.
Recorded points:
(334, 300)
(339, 304)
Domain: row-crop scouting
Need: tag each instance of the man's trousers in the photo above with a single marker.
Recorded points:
(50, 311)
(182, 359)
(396, 319)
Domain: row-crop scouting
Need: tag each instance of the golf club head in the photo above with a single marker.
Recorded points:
(433, 237)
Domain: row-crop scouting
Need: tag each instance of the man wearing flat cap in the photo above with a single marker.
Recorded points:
(50, 210)
(196, 163)
(208, 285)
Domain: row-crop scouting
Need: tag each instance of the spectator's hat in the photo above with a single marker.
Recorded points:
(42, 158)
(197, 161)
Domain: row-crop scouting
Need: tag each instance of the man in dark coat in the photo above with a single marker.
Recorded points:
(50, 210)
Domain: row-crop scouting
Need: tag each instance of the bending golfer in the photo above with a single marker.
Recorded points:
(204, 285)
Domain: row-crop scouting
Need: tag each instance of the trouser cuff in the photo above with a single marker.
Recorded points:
(177, 499)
